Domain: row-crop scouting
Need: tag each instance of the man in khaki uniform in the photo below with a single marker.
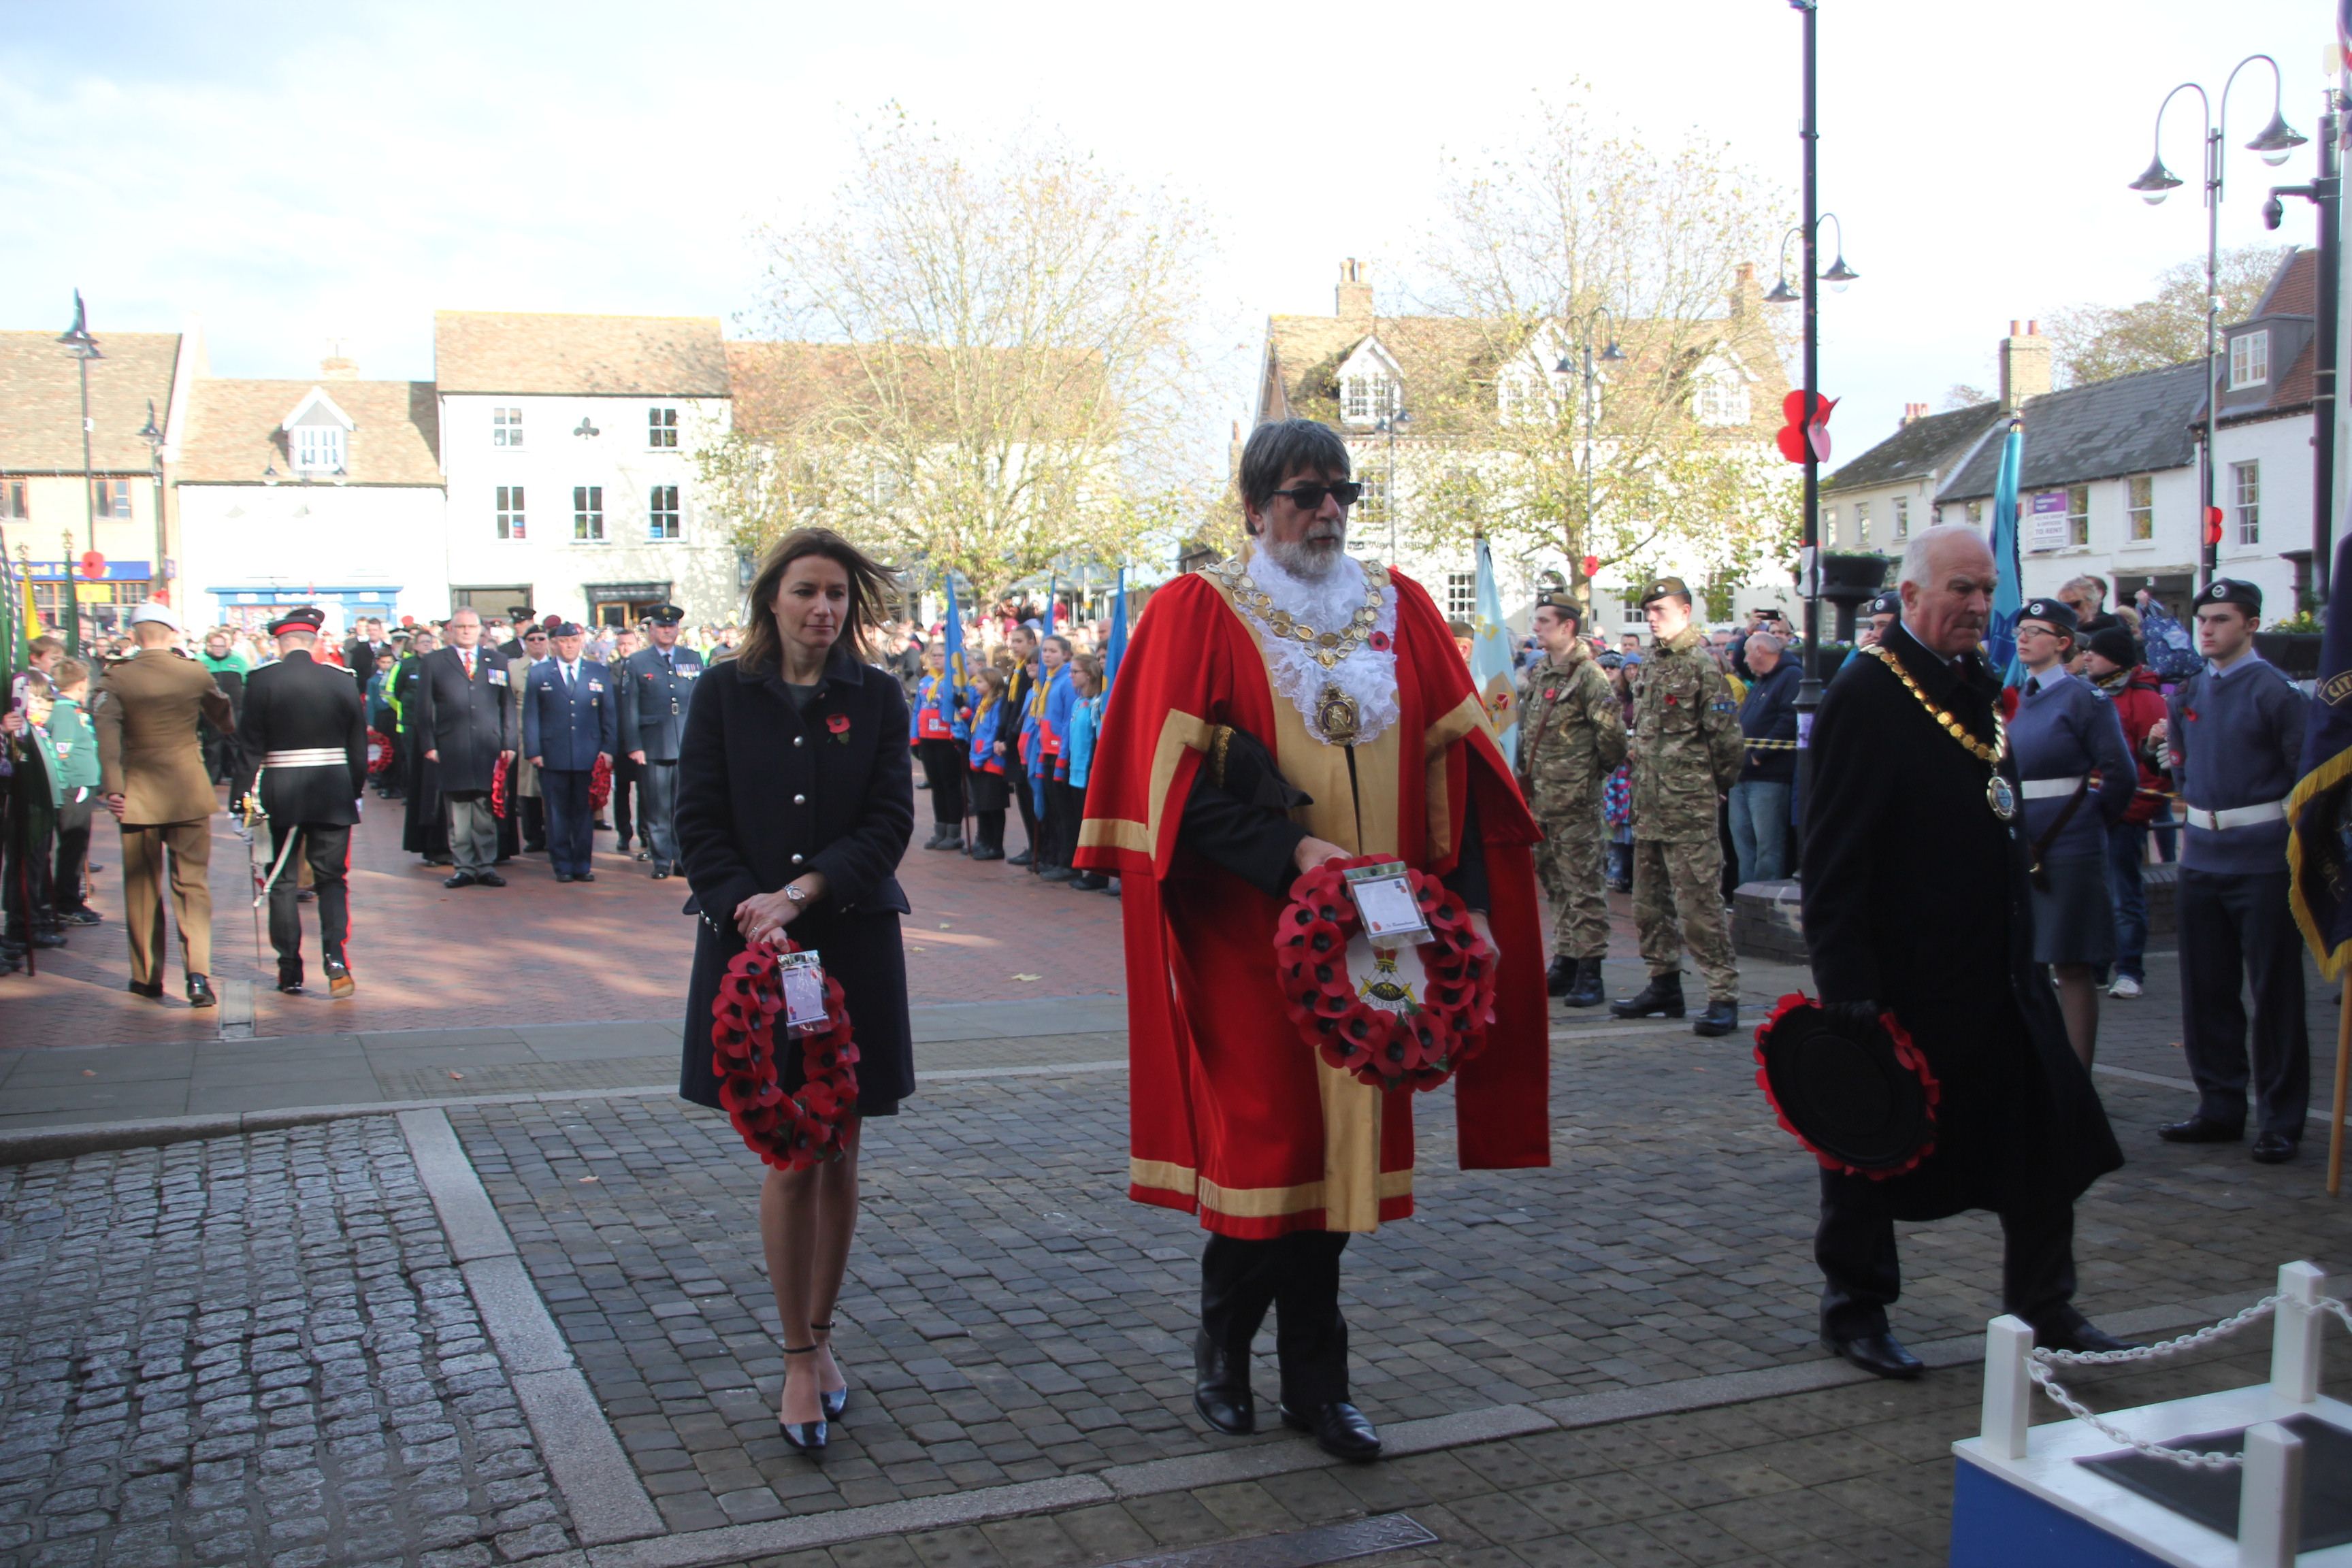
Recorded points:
(1686, 752)
(1571, 737)
(152, 775)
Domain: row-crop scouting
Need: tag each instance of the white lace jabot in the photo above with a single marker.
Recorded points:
(1367, 675)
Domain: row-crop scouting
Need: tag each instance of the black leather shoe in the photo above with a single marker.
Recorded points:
(645, 854)
(1221, 1388)
(1559, 977)
(1880, 1354)
(1586, 992)
(2273, 1149)
(661, 871)
(1055, 874)
(1661, 998)
(2199, 1129)
(564, 875)
(152, 990)
(305, 895)
(1340, 1430)
(200, 992)
(490, 879)
(2081, 1336)
(84, 916)
(1720, 1019)
(339, 982)
(290, 979)
(1020, 860)
(1088, 882)
(43, 940)
(583, 876)
(458, 879)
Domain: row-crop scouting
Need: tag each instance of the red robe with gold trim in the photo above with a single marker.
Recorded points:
(1231, 1114)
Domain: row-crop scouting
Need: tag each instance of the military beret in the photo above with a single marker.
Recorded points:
(2231, 591)
(308, 618)
(2114, 645)
(1890, 603)
(1660, 587)
(533, 629)
(2055, 613)
(519, 613)
(665, 615)
(568, 629)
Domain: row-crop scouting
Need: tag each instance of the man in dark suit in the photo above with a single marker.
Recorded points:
(307, 725)
(462, 708)
(656, 688)
(568, 721)
(1915, 902)
(358, 654)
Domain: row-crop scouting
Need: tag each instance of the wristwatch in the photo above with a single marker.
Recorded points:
(795, 892)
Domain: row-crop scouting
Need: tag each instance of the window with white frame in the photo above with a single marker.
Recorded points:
(1461, 596)
(2249, 359)
(2139, 507)
(110, 498)
(2078, 514)
(2246, 500)
(12, 503)
(1861, 522)
(1976, 514)
(661, 513)
(1829, 525)
(506, 426)
(509, 512)
(1902, 505)
(1364, 399)
(1374, 505)
(588, 512)
(1721, 400)
(661, 427)
(317, 448)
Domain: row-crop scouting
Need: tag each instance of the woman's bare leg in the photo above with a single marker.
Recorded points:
(806, 1221)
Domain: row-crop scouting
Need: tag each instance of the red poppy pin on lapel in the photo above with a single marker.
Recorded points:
(839, 723)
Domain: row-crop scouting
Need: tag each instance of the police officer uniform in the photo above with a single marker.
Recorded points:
(656, 688)
(1572, 736)
(306, 724)
(2235, 739)
(568, 719)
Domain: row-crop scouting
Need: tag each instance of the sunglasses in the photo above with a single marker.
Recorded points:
(1309, 497)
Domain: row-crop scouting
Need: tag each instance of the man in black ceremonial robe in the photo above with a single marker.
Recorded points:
(306, 725)
(1914, 900)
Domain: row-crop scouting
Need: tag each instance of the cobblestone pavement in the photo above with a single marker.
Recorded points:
(251, 1351)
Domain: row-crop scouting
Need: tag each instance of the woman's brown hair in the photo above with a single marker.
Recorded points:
(869, 591)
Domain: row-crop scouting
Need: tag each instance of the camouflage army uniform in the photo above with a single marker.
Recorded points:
(1572, 736)
(1686, 752)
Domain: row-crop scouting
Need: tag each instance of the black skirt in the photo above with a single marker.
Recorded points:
(986, 790)
(864, 954)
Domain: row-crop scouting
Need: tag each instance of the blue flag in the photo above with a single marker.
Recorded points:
(950, 694)
(1118, 648)
(2008, 597)
(1491, 669)
(1053, 592)
(2319, 811)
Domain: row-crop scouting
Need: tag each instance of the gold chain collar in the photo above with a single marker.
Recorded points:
(1953, 727)
(1328, 647)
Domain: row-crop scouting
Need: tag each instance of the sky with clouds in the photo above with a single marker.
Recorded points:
(298, 174)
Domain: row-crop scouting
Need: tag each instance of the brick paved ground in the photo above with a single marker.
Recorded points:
(251, 1351)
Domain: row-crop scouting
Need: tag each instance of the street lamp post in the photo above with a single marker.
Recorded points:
(2275, 141)
(1612, 354)
(84, 348)
(1388, 427)
(2326, 193)
(152, 434)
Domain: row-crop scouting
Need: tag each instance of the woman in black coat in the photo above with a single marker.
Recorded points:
(796, 800)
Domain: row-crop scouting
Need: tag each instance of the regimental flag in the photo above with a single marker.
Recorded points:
(2319, 811)
(1118, 648)
(1491, 669)
(25, 601)
(1053, 592)
(950, 694)
(2009, 596)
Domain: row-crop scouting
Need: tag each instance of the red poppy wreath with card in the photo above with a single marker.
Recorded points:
(1367, 1012)
(789, 1130)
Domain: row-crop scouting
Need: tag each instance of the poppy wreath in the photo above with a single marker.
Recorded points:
(501, 778)
(1384, 1049)
(789, 1131)
(600, 782)
(379, 751)
(1908, 1057)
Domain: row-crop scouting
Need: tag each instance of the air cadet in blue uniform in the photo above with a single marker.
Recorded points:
(656, 688)
(2234, 734)
(569, 720)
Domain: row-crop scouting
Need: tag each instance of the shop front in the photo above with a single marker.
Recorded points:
(252, 607)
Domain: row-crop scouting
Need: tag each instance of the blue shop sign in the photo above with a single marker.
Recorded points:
(116, 572)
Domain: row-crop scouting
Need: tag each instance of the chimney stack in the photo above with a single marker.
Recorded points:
(335, 367)
(1912, 413)
(2024, 366)
(1355, 292)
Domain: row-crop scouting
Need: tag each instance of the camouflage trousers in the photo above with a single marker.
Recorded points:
(1684, 880)
(1568, 865)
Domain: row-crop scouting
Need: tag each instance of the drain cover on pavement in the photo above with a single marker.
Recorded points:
(1299, 1548)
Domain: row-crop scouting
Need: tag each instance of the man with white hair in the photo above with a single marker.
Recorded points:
(1916, 909)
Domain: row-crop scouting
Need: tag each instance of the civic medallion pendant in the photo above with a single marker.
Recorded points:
(1335, 716)
(2002, 798)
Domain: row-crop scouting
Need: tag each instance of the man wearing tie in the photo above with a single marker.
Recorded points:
(569, 721)
(657, 687)
(461, 705)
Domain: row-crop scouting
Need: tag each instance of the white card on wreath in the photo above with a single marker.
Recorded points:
(1384, 901)
(802, 977)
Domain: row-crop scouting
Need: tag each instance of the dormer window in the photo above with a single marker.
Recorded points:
(1721, 399)
(317, 435)
(1364, 399)
(2249, 359)
(318, 449)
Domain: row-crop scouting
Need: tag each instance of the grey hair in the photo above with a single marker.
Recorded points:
(2096, 586)
(1922, 549)
(1764, 640)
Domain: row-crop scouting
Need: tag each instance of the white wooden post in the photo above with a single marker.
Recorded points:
(2270, 1504)
(2007, 1392)
(2295, 1335)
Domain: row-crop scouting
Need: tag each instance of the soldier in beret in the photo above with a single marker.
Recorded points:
(1686, 753)
(1571, 737)
(306, 723)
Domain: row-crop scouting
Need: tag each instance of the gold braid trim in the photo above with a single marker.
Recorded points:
(1953, 727)
(1221, 741)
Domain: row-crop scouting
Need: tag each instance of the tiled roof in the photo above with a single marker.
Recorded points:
(233, 431)
(1924, 447)
(615, 356)
(2132, 424)
(40, 401)
(2295, 289)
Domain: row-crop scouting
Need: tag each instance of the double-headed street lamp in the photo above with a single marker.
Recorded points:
(2276, 140)
(84, 348)
(1839, 277)
(152, 434)
(1613, 354)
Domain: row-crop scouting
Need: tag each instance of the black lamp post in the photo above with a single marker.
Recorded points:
(84, 348)
(1612, 354)
(1388, 425)
(2277, 140)
(2326, 193)
(152, 434)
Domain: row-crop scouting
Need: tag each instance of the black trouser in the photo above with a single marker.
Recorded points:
(628, 781)
(2237, 930)
(25, 897)
(943, 764)
(1024, 796)
(1854, 1246)
(328, 849)
(988, 830)
(1065, 804)
(1298, 1275)
(530, 811)
(73, 851)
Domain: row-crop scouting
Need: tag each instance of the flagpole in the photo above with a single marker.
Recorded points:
(2335, 1120)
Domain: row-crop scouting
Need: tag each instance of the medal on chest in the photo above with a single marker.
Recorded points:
(1335, 716)
(2002, 798)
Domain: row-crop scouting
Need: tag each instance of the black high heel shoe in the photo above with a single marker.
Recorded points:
(808, 1437)
(834, 1400)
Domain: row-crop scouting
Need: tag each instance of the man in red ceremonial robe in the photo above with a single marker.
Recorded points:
(1289, 707)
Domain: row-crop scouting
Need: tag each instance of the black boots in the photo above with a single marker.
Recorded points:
(1585, 991)
(1559, 976)
(1661, 998)
(1720, 1019)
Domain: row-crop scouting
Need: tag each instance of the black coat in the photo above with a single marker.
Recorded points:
(300, 705)
(764, 796)
(467, 721)
(1914, 898)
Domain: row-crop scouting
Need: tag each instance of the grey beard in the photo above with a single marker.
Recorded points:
(1309, 561)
